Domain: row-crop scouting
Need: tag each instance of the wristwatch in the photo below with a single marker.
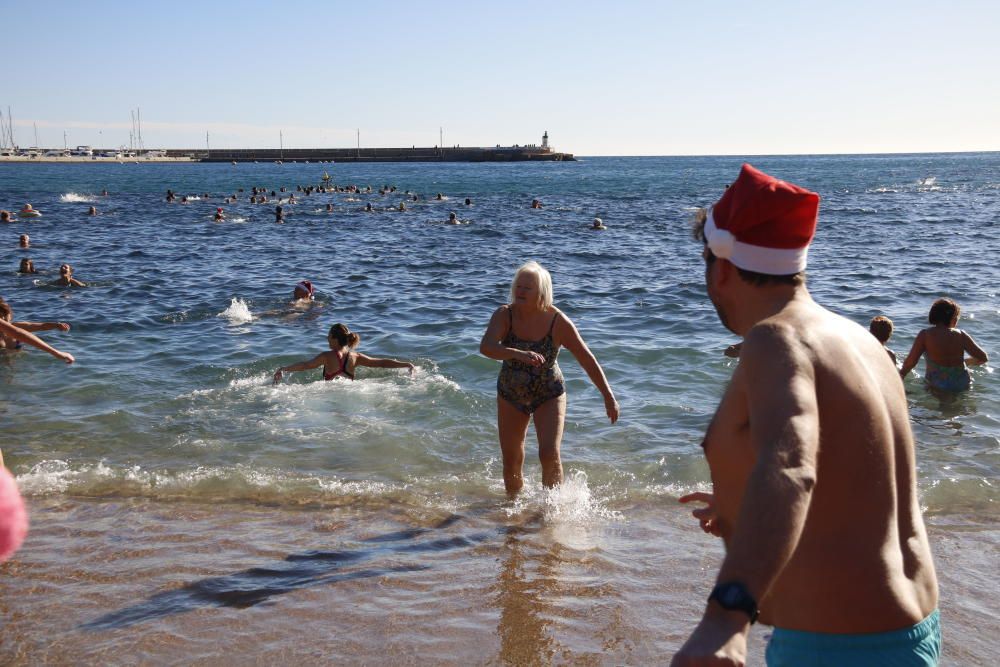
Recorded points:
(734, 596)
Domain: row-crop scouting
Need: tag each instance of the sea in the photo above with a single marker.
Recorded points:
(186, 511)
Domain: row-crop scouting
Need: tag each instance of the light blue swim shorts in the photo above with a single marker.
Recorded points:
(916, 646)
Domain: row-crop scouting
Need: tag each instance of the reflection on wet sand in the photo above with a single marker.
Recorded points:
(522, 596)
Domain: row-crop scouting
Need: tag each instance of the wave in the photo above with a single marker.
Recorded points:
(77, 198)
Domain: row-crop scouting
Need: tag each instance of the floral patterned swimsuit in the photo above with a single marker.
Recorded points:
(524, 386)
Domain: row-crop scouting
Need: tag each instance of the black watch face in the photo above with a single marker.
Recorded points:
(731, 596)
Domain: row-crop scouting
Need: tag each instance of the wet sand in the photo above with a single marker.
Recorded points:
(124, 580)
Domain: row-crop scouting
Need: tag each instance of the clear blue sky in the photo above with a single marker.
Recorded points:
(628, 78)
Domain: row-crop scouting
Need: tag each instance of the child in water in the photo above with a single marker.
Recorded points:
(881, 328)
(945, 347)
(342, 359)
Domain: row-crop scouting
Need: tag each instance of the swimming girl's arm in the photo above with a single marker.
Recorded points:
(977, 355)
(567, 335)
(315, 362)
(8, 329)
(42, 326)
(77, 283)
(377, 362)
(914, 356)
(491, 347)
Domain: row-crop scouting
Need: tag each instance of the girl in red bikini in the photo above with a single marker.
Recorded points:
(342, 359)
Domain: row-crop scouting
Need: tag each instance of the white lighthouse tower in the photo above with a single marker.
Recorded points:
(545, 141)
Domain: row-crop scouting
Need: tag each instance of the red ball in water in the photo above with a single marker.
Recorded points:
(13, 516)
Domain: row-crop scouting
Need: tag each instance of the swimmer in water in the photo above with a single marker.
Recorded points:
(881, 328)
(535, 203)
(92, 210)
(170, 196)
(944, 347)
(439, 197)
(329, 208)
(402, 206)
(66, 278)
(468, 202)
(342, 358)
(104, 193)
(220, 215)
(304, 291)
(598, 225)
(13, 334)
(453, 219)
(25, 241)
(27, 266)
(5, 216)
(368, 207)
(28, 212)
(279, 214)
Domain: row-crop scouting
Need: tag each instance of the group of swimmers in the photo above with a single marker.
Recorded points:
(263, 195)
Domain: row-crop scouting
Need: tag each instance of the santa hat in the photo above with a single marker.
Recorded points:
(762, 224)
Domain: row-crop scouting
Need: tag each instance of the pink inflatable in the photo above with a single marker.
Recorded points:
(13, 516)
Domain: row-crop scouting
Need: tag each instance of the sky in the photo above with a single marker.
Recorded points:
(622, 78)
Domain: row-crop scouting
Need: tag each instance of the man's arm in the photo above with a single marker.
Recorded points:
(784, 434)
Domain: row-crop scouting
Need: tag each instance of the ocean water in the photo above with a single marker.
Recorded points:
(184, 509)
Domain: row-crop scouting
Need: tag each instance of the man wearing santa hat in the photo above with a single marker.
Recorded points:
(812, 460)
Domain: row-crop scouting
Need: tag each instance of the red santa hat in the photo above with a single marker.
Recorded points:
(762, 224)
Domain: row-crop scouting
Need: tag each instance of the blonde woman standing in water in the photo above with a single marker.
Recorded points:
(526, 335)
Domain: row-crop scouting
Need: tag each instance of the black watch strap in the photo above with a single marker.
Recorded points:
(734, 596)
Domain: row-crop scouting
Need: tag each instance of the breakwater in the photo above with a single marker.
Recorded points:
(413, 154)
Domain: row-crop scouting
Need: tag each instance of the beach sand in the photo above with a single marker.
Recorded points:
(377, 582)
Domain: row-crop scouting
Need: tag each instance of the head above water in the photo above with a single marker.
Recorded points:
(303, 290)
(532, 278)
(27, 266)
(341, 336)
(944, 312)
(881, 328)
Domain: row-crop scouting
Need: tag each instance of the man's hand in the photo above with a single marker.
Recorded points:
(706, 516)
(720, 639)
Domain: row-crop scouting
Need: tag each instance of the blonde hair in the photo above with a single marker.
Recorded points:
(544, 283)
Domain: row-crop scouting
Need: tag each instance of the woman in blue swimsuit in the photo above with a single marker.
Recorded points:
(342, 357)
(944, 347)
(526, 336)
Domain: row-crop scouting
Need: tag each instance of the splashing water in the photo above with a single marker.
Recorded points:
(237, 312)
(77, 198)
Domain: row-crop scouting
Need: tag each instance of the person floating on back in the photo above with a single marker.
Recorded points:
(342, 359)
(945, 347)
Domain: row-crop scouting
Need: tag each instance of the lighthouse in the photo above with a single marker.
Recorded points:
(545, 141)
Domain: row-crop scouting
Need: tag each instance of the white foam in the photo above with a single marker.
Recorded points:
(238, 311)
(76, 198)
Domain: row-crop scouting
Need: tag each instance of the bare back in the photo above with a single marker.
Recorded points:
(945, 346)
(862, 562)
